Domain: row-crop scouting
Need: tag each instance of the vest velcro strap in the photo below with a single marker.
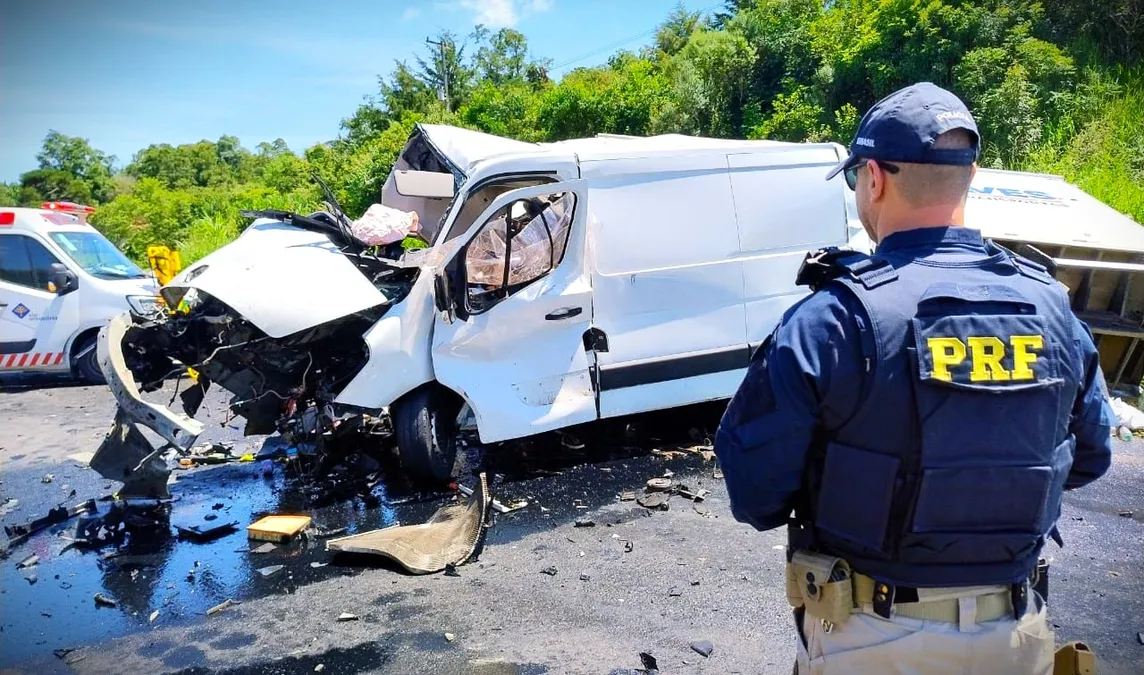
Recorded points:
(871, 272)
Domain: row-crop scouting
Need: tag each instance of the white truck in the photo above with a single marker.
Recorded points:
(60, 282)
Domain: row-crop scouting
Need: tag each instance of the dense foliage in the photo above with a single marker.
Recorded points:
(1056, 85)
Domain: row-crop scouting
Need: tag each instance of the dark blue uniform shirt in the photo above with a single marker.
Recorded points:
(811, 374)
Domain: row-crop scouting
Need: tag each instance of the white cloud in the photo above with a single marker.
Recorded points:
(410, 13)
(504, 13)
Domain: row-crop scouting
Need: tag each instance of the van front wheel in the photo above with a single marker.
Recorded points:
(425, 425)
(86, 362)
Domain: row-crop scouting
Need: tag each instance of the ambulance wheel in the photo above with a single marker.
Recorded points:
(86, 365)
(425, 425)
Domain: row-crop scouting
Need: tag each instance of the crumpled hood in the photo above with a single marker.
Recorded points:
(281, 278)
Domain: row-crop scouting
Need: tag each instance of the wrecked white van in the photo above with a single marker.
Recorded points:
(564, 283)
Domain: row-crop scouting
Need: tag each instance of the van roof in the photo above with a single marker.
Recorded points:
(464, 147)
(30, 219)
(1044, 209)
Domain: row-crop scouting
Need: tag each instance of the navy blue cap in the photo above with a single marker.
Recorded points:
(903, 126)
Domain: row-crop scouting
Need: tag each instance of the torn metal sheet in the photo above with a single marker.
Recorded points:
(127, 456)
(453, 535)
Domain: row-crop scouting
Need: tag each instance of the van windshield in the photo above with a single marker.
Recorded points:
(96, 255)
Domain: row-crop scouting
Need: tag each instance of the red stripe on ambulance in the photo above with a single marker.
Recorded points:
(38, 360)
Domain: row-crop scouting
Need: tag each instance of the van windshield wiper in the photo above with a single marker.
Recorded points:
(333, 221)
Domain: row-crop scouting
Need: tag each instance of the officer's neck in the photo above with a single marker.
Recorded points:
(904, 217)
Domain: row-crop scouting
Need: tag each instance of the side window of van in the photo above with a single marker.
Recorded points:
(521, 243)
(25, 261)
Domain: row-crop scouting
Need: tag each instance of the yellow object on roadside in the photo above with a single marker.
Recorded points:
(164, 262)
(277, 528)
(193, 374)
(1074, 658)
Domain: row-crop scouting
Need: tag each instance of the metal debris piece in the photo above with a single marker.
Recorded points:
(1126, 514)
(454, 534)
(697, 495)
(627, 496)
(701, 510)
(47, 479)
(585, 522)
(319, 668)
(450, 637)
(717, 473)
(346, 616)
(206, 532)
(497, 506)
(629, 546)
(584, 576)
(30, 561)
(703, 647)
(154, 615)
(451, 570)
(674, 593)
(265, 548)
(649, 663)
(31, 579)
(326, 534)
(18, 533)
(316, 564)
(270, 570)
(1140, 638)
(62, 653)
(655, 500)
(659, 484)
(224, 605)
(550, 570)
(102, 600)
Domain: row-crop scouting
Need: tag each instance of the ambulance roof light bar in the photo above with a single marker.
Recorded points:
(80, 211)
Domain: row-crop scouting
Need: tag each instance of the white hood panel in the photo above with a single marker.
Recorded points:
(283, 279)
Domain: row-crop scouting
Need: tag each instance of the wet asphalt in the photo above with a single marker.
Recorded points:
(633, 581)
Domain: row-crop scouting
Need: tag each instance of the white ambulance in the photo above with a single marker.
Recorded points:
(60, 282)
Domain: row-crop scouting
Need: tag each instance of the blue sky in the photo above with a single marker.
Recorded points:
(127, 73)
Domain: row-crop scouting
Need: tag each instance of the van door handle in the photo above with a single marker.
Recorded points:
(563, 313)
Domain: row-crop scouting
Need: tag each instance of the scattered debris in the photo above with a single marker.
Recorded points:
(674, 593)
(1140, 638)
(497, 506)
(627, 496)
(31, 579)
(655, 500)
(649, 663)
(265, 548)
(326, 534)
(550, 570)
(694, 495)
(659, 484)
(346, 616)
(1127, 514)
(316, 564)
(277, 528)
(451, 570)
(62, 653)
(629, 546)
(701, 510)
(319, 668)
(204, 532)
(584, 576)
(585, 522)
(154, 615)
(47, 479)
(224, 605)
(9, 506)
(703, 647)
(102, 600)
(717, 473)
(270, 570)
(30, 561)
(450, 637)
(454, 534)
(18, 533)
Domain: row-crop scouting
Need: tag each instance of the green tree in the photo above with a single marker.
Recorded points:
(76, 157)
(501, 57)
(41, 185)
(676, 30)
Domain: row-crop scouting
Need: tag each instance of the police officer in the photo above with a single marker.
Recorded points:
(920, 414)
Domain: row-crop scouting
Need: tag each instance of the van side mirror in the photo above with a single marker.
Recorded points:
(62, 280)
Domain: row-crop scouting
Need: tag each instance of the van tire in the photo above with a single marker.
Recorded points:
(425, 426)
(86, 367)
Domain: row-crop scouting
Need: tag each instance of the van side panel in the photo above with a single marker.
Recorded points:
(784, 208)
(667, 285)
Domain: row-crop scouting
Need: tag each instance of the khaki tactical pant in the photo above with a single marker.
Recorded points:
(867, 643)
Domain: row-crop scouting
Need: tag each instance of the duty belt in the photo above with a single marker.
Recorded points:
(831, 591)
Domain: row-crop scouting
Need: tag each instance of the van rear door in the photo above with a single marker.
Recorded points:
(511, 340)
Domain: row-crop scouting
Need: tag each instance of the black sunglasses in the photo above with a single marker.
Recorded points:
(851, 174)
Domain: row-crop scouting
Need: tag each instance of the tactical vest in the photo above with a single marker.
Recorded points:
(951, 471)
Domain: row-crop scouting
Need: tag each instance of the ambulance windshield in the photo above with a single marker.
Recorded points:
(96, 255)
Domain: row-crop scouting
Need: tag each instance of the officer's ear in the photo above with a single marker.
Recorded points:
(878, 177)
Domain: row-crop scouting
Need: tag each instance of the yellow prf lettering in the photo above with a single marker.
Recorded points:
(986, 354)
(946, 352)
(1023, 357)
